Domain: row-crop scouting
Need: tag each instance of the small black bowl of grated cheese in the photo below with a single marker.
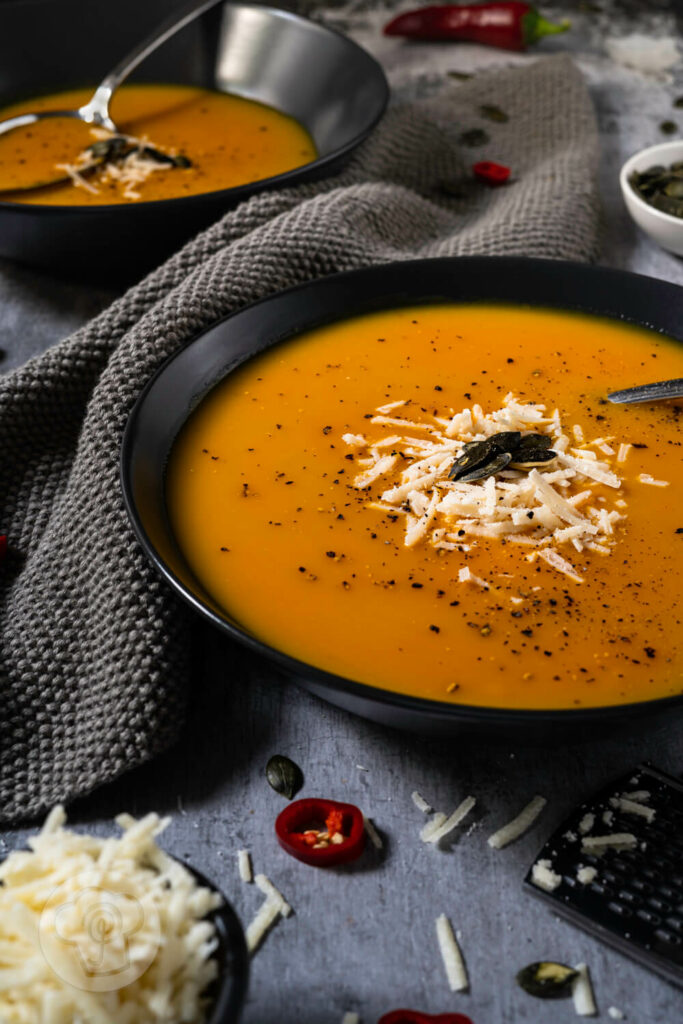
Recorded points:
(110, 929)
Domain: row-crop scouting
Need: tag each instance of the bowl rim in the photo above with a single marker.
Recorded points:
(239, 192)
(425, 707)
(630, 193)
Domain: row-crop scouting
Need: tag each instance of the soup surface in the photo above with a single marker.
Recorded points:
(270, 501)
(228, 140)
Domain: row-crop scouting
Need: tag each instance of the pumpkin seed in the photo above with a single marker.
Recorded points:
(460, 76)
(547, 980)
(668, 127)
(489, 468)
(284, 775)
(661, 187)
(493, 113)
(473, 454)
(474, 137)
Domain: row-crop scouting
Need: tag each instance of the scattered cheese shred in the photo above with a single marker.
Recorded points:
(615, 1013)
(543, 876)
(447, 826)
(623, 803)
(244, 866)
(618, 840)
(72, 904)
(259, 925)
(451, 954)
(373, 834)
(432, 826)
(586, 875)
(539, 508)
(350, 1018)
(582, 993)
(271, 893)
(645, 478)
(420, 802)
(518, 825)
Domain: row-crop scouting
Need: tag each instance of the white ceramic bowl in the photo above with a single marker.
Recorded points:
(664, 228)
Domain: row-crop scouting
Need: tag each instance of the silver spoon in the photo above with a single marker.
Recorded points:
(96, 110)
(650, 392)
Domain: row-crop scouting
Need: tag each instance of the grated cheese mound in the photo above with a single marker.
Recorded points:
(127, 174)
(515, 828)
(550, 507)
(96, 930)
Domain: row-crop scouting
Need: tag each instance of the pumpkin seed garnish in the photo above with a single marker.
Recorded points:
(668, 127)
(284, 775)
(493, 113)
(490, 468)
(661, 187)
(480, 459)
(460, 76)
(547, 980)
(474, 137)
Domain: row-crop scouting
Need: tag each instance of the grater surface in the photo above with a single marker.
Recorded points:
(635, 900)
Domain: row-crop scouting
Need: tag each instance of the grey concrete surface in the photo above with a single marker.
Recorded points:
(363, 938)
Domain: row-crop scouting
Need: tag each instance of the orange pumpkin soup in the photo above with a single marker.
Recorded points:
(222, 140)
(315, 497)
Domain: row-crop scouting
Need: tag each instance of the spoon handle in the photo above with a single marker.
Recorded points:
(650, 392)
(99, 103)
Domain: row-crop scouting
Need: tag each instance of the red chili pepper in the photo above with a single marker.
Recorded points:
(490, 173)
(507, 25)
(321, 832)
(415, 1017)
(3, 546)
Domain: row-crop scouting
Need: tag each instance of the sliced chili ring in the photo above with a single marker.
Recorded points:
(491, 173)
(3, 546)
(415, 1017)
(308, 830)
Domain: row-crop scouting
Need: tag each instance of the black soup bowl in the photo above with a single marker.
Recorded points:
(181, 383)
(322, 79)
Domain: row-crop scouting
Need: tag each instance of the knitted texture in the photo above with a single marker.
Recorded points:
(94, 648)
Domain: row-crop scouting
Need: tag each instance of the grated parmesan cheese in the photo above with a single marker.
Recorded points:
(244, 866)
(645, 478)
(448, 824)
(615, 1013)
(420, 802)
(373, 834)
(540, 508)
(582, 993)
(350, 1018)
(456, 972)
(518, 825)
(97, 930)
(586, 875)
(622, 803)
(618, 841)
(432, 826)
(543, 876)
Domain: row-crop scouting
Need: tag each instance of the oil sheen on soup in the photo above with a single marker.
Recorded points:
(439, 501)
(221, 141)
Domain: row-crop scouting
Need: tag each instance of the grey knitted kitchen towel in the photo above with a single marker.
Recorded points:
(93, 647)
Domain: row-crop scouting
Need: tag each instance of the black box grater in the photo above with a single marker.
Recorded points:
(635, 899)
